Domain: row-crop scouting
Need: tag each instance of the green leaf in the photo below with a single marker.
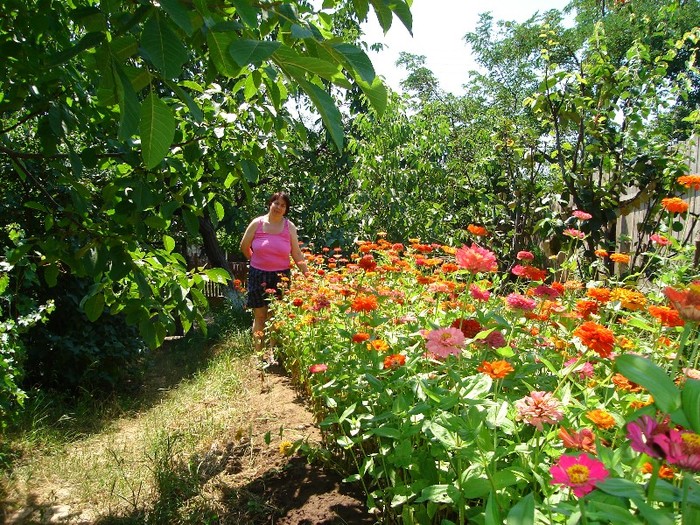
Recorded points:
(179, 13)
(623, 488)
(492, 515)
(218, 275)
(388, 432)
(523, 512)
(218, 44)
(384, 14)
(361, 8)
(157, 130)
(358, 61)
(219, 210)
(163, 47)
(691, 403)
(184, 96)
(402, 10)
(168, 243)
(247, 12)
(50, 275)
(326, 107)
(645, 373)
(286, 56)
(128, 105)
(438, 494)
(94, 306)
(246, 52)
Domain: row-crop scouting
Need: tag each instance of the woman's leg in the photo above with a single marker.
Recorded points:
(260, 316)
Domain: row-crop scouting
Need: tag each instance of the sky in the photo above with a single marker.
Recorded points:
(438, 30)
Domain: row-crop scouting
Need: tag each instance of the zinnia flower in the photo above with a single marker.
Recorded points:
(596, 337)
(582, 215)
(686, 302)
(444, 341)
(602, 295)
(621, 258)
(601, 418)
(364, 303)
(318, 368)
(469, 327)
(495, 340)
(689, 181)
(574, 233)
(476, 259)
(496, 369)
(666, 316)
(601, 253)
(525, 256)
(479, 231)
(586, 308)
(641, 433)
(630, 299)
(520, 302)
(660, 239)
(681, 448)
(394, 361)
(378, 345)
(580, 473)
(479, 294)
(360, 337)
(539, 408)
(584, 439)
(367, 263)
(674, 205)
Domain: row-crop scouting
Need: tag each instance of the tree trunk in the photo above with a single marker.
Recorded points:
(215, 254)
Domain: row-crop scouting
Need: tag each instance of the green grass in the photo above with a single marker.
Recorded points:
(143, 457)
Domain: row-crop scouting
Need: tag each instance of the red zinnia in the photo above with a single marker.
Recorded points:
(360, 337)
(364, 303)
(469, 327)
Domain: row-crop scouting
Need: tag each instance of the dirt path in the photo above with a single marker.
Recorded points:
(245, 478)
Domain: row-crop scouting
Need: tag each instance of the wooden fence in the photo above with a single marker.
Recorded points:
(629, 224)
(239, 270)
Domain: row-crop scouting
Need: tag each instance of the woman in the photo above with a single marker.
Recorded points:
(267, 243)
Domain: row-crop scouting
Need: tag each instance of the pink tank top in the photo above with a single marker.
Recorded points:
(271, 250)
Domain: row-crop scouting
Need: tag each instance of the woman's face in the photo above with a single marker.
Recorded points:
(278, 206)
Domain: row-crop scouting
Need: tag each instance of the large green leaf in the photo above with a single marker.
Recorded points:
(163, 47)
(523, 512)
(286, 56)
(128, 105)
(384, 14)
(246, 52)
(157, 130)
(326, 107)
(179, 13)
(645, 373)
(691, 403)
(358, 61)
(218, 43)
(247, 12)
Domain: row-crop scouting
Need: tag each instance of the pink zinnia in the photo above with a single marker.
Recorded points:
(681, 448)
(479, 294)
(524, 255)
(580, 473)
(520, 302)
(641, 433)
(582, 215)
(585, 371)
(573, 232)
(538, 408)
(476, 259)
(495, 340)
(444, 341)
(545, 291)
(318, 368)
(660, 239)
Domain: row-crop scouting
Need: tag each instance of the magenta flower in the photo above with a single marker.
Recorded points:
(479, 294)
(444, 341)
(495, 340)
(681, 448)
(582, 215)
(538, 408)
(318, 368)
(641, 434)
(524, 255)
(476, 259)
(580, 473)
(573, 232)
(543, 290)
(520, 302)
(585, 371)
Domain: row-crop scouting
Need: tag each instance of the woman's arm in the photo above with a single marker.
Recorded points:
(247, 239)
(298, 257)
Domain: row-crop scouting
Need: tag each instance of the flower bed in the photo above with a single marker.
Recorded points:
(455, 393)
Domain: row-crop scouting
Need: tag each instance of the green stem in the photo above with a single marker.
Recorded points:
(652, 482)
(582, 506)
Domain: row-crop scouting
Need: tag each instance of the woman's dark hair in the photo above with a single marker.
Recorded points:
(280, 195)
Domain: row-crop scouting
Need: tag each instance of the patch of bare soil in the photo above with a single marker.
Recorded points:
(259, 485)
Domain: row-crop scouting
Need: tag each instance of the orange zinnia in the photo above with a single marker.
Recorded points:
(629, 299)
(479, 231)
(364, 303)
(665, 472)
(601, 418)
(674, 205)
(602, 295)
(625, 384)
(601, 253)
(596, 337)
(360, 337)
(496, 369)
(690, 181)
(666, 316)
(379, 345)
(621, 258)
(394, 361)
